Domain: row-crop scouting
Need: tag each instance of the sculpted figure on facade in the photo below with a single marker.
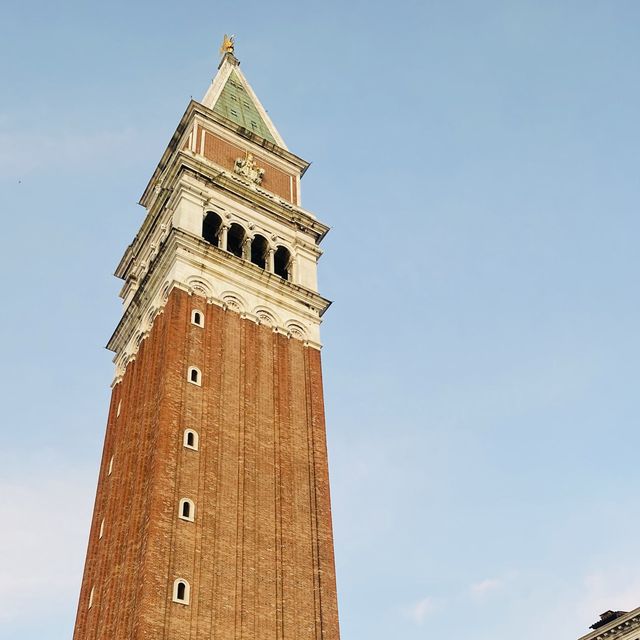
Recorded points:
(248, 168)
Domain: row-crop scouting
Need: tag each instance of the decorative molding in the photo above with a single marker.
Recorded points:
(296, 330)
(233, 302)
(200, 287)
(266, 317)
(229, 301)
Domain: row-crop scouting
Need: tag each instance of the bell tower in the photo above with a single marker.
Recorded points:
(212, 517)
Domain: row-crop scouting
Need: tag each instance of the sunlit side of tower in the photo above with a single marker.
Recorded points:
(212, 516)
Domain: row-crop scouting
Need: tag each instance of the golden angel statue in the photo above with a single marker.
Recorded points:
(228, 42)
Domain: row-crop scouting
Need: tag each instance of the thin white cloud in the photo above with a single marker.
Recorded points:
(485, 587)
(419, 611)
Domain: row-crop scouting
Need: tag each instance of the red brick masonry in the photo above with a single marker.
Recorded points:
(225, 154)
(259, 556)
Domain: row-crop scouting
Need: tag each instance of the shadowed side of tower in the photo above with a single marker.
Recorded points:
(212, 516)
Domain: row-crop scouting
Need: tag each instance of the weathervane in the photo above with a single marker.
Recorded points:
(228, 43)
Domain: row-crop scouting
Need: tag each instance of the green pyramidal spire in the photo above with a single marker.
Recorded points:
(234, 103)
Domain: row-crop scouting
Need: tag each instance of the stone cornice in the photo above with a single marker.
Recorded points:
(195, 252)
(617, 628)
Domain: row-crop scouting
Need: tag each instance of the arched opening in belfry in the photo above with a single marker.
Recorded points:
(259, 246)
(282, 262)
(211, 226)
(235, 240)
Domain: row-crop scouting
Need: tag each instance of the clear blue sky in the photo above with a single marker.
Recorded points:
(478, 162)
